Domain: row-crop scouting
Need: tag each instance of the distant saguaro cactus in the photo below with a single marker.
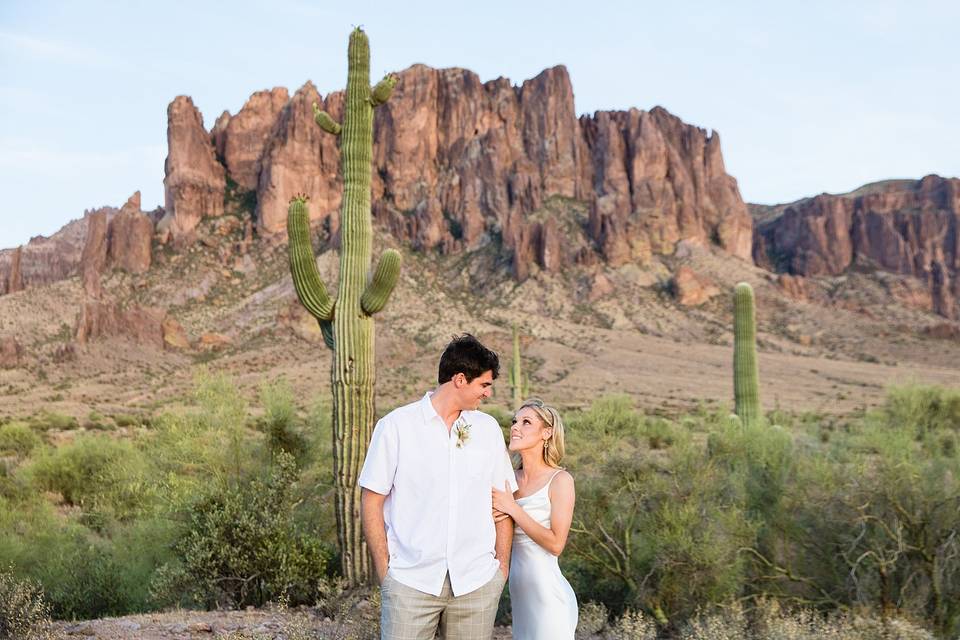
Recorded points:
(347, 322)
(518, 381)
(746, 385)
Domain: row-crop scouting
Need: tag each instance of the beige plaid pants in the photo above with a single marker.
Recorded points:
(409, 614)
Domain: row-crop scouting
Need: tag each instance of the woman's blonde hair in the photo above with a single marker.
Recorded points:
(553, 447)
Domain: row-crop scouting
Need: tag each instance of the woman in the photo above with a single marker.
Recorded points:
(544, 605)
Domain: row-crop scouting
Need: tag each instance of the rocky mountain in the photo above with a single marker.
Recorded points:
(907, 227)
(103, 238)
(459, 163)
(462, 165)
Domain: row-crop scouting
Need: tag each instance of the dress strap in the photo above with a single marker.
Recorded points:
(546, 487)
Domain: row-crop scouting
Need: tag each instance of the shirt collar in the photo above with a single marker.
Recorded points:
(426, 406)
(430, 412)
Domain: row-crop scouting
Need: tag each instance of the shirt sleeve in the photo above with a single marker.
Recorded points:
(503, 469)
(380, 465)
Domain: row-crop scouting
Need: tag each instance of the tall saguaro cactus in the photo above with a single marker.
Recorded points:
(519, 385)
(347, 322)
(746, 386)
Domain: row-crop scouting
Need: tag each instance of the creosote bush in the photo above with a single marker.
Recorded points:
(24, 615)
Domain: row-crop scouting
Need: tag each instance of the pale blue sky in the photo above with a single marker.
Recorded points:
(808, 97)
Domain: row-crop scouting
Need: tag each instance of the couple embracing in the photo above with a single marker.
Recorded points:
(448, 521)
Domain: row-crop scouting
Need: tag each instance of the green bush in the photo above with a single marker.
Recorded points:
(126, 420)
(103, 476)
(608, 416)
(47, 420)
(18, 439)
(659, 534)
(240, 547)
(922, 409)
(208, 446)
(279, 421)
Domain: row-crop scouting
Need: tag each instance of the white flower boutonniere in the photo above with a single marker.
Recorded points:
(462, 429)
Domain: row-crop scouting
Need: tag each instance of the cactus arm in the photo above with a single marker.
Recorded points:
(746, 385)
(383, 89)
(326, 328)
(326, 123)
(378, 291)
(303, 266)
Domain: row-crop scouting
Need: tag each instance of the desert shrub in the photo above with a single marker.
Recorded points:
(207, 446)
(592, 620)
(84, 574)
(24, 614)
(105, 477)
(18, 439)
(632, 625)
(871, 520)
(727, 624)
(81, 579)
(279, 421)
(762, 456)
(314, 490)
(612, 415)
(240, 547)
(126, 420)
(660, 433)
(922, 409)
(355, 611)
(46, 420)
(97, 422)
(653, 533)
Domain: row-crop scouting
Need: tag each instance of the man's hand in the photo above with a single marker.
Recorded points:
(381, 572)
(499, 515)
(505, 569)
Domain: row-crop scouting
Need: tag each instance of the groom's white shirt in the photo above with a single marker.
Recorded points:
(438, 510)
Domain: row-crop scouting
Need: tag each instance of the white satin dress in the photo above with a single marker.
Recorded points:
(544, 604)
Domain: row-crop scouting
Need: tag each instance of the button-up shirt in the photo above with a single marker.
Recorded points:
(438, 507)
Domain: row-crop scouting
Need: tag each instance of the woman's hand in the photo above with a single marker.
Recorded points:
(503, 500)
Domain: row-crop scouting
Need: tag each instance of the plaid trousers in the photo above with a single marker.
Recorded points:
(409, 614)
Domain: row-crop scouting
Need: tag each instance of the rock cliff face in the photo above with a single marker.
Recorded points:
(130, 234)
(903, 226)
(44, 260)
(459, 163)
(298, 157)
(194, 180)
(102, 238)
(246, 134)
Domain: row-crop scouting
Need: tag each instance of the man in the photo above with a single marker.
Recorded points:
(427, 508)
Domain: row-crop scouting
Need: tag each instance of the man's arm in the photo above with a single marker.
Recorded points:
(504, 544)
(375, 530)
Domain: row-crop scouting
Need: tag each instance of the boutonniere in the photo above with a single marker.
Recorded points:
(462, 429)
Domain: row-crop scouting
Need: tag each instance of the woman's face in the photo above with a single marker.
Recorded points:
(527, 431)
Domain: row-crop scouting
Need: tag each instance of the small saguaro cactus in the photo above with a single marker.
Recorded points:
(518, 381)
(347, 321)
(746, 386)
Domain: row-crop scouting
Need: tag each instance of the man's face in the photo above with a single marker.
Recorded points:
(474, 392)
